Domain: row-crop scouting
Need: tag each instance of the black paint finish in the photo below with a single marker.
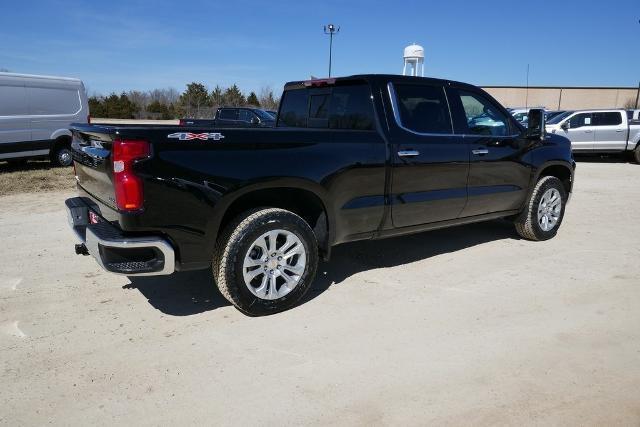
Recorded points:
(364, 188)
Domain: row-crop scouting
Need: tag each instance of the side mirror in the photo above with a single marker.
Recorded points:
(535, 124)
(255, 121)
(566, 125)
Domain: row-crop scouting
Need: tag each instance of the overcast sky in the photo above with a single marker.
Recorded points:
(122, 45)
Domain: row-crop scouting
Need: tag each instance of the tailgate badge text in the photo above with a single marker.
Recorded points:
(188, 136)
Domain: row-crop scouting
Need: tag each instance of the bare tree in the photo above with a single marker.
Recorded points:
(630, 104)
(267, 100)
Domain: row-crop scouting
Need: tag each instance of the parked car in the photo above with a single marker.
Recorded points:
(273, 113)
(549, 115)
(521, 114)
(234, 117)
(36, 113)
(352, 158)
(599, 131)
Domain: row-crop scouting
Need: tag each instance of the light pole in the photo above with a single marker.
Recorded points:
(331, 30)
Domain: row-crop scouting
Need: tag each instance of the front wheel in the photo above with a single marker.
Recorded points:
(265, 261)
(544, 210)
(636, 154)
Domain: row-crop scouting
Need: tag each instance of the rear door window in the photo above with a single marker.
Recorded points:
(611, 118)
(423, 109)
(53, 101)
(13, 101)
(351, 108)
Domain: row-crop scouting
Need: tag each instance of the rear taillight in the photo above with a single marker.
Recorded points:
(181, 122)
(128, 186)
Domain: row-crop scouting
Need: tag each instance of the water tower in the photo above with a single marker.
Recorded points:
(413, 61)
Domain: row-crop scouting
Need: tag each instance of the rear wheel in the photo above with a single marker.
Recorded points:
(544, 211)
(61, 156)
(265, 261)
(636, 154)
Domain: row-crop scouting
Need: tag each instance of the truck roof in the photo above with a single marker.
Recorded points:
(376, 78)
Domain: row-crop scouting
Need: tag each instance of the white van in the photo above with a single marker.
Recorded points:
(35, 114)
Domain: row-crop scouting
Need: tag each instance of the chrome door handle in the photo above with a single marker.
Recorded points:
(588, 131)
(408, 153)
(620, 130)
(480, 152)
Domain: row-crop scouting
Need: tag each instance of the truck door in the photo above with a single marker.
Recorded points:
(430, 163)
(498, 180)
(611, 131)
(580, 131)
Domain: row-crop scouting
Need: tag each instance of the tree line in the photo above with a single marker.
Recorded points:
(195, 102)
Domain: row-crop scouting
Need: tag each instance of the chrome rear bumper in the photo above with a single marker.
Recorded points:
(116, 252)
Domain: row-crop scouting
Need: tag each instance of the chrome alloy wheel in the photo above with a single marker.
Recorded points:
(274, 264)
(549, 209)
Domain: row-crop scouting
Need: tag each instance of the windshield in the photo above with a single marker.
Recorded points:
(263, 115)
(557, 119)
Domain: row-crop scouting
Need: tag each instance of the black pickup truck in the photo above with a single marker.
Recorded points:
(352, 158)
(235, 117)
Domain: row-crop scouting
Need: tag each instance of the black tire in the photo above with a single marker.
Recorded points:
(527, 224)
(61, 156)
(235, 242)
(636, 154)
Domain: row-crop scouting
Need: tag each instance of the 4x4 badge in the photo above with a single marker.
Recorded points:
(188, 136)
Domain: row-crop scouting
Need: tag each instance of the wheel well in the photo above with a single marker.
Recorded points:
(60, 141)
(561, 172)
(301, 202)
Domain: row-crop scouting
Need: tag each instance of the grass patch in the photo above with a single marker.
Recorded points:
(34, 176)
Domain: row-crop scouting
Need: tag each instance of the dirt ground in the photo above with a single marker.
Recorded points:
(34, 176)
(469, 325)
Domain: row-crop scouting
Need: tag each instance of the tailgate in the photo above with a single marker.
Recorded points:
(91, 149)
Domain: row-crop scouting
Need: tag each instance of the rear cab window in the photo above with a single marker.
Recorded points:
(229, 114)
(344, 107)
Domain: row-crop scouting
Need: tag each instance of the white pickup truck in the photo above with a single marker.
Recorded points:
(598, 131)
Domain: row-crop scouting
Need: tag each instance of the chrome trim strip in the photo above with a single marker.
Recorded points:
(94, 242)
(24, 154)
(408, 153)
(396, 115)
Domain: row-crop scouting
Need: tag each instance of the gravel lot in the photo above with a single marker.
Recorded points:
(462, 326)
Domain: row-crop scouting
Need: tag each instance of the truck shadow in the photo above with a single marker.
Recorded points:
(193, 292)
(351, 258)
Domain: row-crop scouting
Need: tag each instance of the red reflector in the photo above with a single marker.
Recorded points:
(319, 82)
(128, 186)
(93, 218)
